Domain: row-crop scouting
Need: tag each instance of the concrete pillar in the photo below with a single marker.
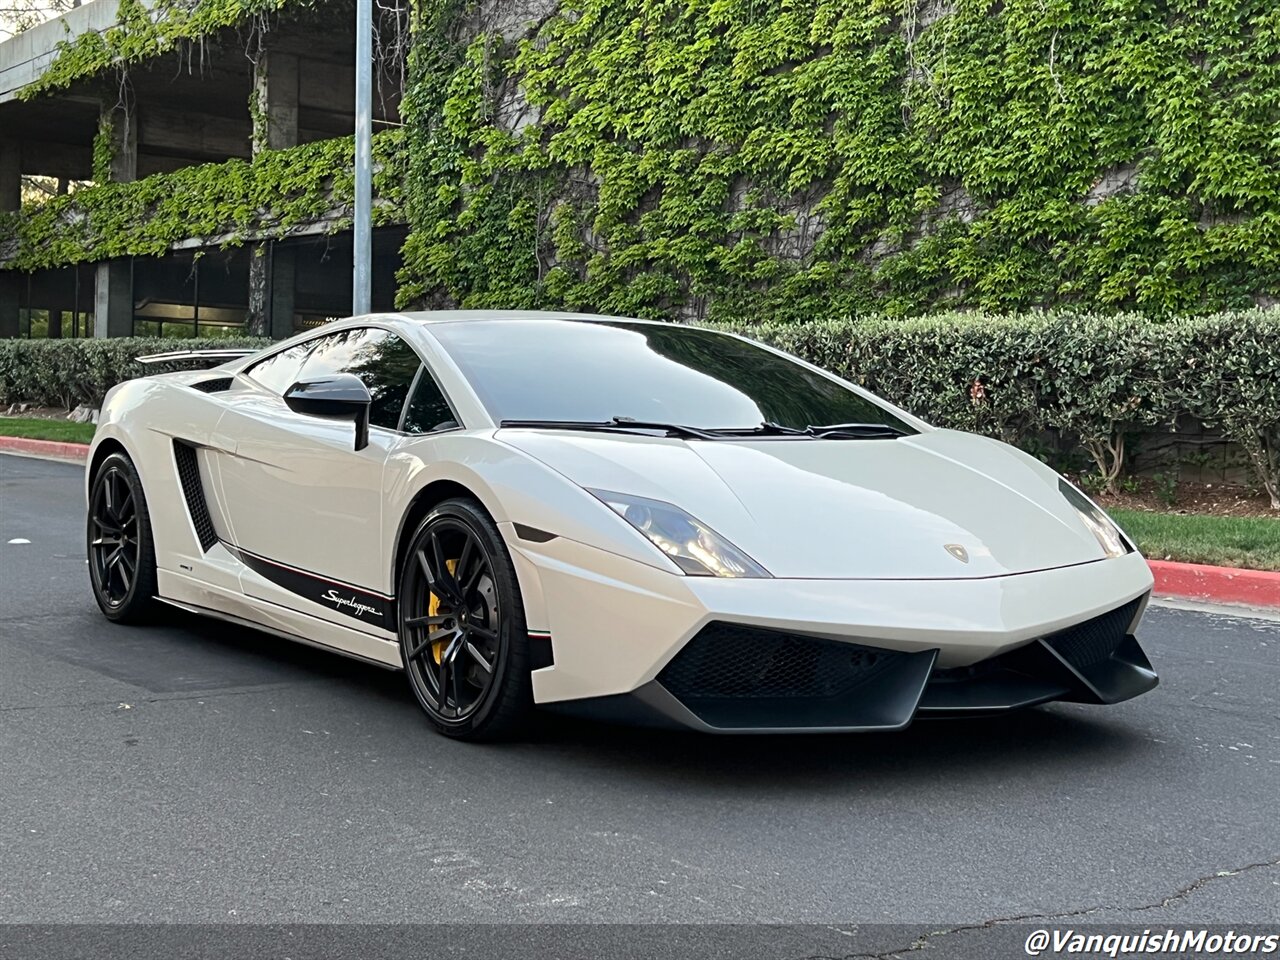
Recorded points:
(10, 200)
(113, 283)
(283, 273)
(10, 296)
(275, 127)
(256, 322)
(113, 299)
(275, 85)
(122, 122)
(10, 175)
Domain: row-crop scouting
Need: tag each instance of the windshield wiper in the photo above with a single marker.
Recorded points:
(616, 425)
(856, 431)
(766, 429)
(834, 431)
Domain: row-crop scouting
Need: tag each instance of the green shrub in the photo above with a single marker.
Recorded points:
(72, 372)
(1225, 372)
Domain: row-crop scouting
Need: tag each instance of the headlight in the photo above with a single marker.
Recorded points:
(693, 546)
(1112, 541)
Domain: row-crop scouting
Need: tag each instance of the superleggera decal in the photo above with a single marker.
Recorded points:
(354, 602)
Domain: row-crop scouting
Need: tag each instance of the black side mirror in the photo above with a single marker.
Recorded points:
(342, 396)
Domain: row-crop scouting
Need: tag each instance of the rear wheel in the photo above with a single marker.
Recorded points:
(462, 630)
(122, 557)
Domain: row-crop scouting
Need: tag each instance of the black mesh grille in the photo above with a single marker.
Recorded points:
(193, 491)
(1095, 640)
(216, 385)
(727, 661)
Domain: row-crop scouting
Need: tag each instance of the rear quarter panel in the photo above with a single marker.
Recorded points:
(144, 417)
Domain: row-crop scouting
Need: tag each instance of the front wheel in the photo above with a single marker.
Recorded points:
(122, 556)
(463, 639)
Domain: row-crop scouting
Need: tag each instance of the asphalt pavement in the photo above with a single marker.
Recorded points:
(199, 772)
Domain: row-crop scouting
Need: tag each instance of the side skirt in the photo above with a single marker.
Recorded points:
(357, 603)
(195, 596)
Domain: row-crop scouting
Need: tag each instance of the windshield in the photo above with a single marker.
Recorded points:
(597, 370)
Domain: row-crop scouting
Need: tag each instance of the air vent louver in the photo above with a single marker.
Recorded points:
(216, 385)
(193, 491)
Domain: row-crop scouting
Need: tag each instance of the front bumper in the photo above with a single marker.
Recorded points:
(635, 643)
(730, 679)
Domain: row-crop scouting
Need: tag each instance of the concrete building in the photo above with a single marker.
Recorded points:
(147, 244)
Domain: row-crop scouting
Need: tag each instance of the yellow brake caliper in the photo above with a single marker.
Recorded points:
(433, 609)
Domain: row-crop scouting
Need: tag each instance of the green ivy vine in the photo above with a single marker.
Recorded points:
(228, 203)
(791, 159)
(140, 33)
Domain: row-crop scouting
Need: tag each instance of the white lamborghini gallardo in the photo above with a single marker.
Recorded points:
(628, 519)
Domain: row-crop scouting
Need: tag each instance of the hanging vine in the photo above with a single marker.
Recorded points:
(226, 204)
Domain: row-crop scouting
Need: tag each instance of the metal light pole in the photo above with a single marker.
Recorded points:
(361, 295)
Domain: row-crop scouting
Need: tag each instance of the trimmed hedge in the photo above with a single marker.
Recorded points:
(73, 372)
(1087, 378)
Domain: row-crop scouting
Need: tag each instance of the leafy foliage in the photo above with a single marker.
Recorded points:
(793, 159)
(228, 203)
(145, 31)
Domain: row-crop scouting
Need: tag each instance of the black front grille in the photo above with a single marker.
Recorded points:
(193, 492)
(1094, 641)
(727, 661)
(216, 385)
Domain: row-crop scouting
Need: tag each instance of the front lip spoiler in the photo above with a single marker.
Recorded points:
(1037, 673)
(1026, 676)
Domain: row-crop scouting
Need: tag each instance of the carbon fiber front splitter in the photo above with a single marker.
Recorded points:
(1092, 663)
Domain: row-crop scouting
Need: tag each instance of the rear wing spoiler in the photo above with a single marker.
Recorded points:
(195, 356)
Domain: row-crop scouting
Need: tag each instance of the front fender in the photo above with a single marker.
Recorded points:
(515, 489)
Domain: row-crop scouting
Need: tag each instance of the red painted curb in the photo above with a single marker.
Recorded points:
(1194, 581)
(45, 448)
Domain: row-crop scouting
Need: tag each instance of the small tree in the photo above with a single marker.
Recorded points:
(1225, 371)
(1095, 381)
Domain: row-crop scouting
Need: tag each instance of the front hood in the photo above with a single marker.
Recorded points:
(884, 509)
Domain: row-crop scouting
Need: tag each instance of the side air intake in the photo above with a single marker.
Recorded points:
(215, 385)
(193, 491)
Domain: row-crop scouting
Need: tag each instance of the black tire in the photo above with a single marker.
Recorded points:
(121, 552)
(463, 639)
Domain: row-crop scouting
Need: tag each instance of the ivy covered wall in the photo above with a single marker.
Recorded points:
(276, 193)
(793, 159)
(227, 204)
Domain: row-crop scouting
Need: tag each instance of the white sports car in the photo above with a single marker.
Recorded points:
(627, 519)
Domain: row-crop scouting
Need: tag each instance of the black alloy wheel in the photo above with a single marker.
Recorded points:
(122, 562)
(463, 639)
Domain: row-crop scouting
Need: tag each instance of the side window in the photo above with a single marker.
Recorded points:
(428, 410)
(382, 360)
(279, 371)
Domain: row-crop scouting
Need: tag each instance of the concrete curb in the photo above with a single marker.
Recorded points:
(1194, 581)
(45, 448)
(1183, 581)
